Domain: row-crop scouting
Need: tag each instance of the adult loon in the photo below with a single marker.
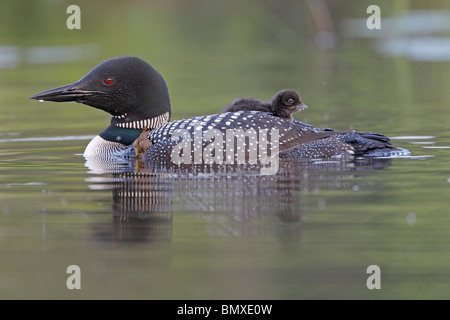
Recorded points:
(137, 98)
(283, 105)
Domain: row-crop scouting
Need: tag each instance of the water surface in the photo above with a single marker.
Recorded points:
(309, 232)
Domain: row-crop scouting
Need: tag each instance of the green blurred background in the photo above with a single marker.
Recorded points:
(211, 52)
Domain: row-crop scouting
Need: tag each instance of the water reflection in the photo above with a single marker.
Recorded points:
(233, 201)
(12, 56)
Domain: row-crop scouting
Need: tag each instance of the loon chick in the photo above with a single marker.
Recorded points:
(137, 98)
(283, 105)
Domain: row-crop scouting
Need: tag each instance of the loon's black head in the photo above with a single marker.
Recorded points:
(287, 101)
(128, 88)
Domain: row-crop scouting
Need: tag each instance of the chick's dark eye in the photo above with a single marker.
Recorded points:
(290, 101)
(108, 81)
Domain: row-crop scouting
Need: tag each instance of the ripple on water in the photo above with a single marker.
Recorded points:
(43, 139)
(412, 137)
(26, 184)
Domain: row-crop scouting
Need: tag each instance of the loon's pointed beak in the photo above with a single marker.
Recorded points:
(70, 92)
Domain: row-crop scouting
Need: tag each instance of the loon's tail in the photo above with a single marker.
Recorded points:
(346, 145)
(372, 145)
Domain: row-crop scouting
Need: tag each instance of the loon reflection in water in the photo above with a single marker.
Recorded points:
(231, 203)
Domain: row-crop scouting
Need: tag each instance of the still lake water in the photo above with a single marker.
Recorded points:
(309, 232)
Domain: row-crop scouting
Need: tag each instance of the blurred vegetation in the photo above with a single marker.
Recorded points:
(211, 52)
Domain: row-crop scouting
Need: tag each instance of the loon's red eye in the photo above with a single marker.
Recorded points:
(108, 81)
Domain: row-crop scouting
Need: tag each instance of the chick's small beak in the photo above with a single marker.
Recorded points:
(301, 107)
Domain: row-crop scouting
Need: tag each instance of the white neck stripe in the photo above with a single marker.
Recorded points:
(150, 123)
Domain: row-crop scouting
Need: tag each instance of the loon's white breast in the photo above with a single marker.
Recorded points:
(101, 148)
